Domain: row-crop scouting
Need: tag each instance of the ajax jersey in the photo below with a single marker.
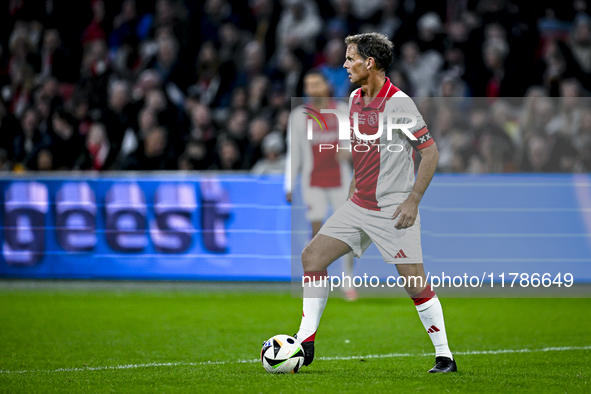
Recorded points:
(384, 169)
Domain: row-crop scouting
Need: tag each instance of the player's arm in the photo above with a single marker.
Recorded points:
(409, 209)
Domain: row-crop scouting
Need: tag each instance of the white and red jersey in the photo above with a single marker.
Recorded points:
(384, 170)
(319, 168)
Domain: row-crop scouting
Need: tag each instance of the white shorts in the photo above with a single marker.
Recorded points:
(318, 198)
(359, 227)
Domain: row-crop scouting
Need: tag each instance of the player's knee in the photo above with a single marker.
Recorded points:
(310, 259)
(307, 258)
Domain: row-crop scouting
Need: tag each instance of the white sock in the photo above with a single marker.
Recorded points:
(315, 297)
(431, 315)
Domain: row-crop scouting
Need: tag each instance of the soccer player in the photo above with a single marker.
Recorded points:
(326, 174)
(383, 198)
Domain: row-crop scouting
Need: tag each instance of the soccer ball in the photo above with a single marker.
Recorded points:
(282, 354)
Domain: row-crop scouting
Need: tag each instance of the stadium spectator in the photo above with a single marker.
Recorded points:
(196, 157)
(536, 154)
(290, 71)
(154, 153)
(273, 161)
(567, 121)
(257, 93)
(266, 15)
(129, 25)
(580, 46)
(257, 131)
(232, 42)
(237, 128)
(430, 35)
(56, 61)
(336, 75)
(203, 132)
(298, 27)
(8, 129)
(216, 12)
(44, 161)
(365, 9)
(29, 141)
(66, 145)
(343, 23)
(390, 23)
(421, 68)
(95, 29)
(228, 155)
(21, 88)
(97, 147)
(117, 119)
(449, 138)
(167, 62)
(253, 64)
(95, 72)
(583, 143)
(215, 78)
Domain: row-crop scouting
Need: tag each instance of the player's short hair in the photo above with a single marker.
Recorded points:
(374, 45)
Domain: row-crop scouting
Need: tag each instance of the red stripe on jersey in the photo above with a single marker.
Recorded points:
(402, 253)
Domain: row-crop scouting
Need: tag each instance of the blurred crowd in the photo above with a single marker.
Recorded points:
(198, 85)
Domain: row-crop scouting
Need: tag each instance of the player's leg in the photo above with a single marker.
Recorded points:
(340, 234)
(430, 313)
(316, 226)
(316, 258)
(403, 248)
(322, 251)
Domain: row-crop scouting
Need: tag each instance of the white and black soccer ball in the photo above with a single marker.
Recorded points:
(282, 354)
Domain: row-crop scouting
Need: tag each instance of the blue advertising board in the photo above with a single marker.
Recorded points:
(228, 227)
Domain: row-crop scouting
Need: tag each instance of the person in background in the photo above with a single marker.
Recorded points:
(273, 160)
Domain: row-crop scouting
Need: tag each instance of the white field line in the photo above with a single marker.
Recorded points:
(337, 358)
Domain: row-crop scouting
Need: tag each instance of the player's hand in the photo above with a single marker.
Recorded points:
(407, 213)
(288, 197)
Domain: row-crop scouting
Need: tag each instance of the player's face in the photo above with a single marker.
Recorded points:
(315, 86)
(355, 65)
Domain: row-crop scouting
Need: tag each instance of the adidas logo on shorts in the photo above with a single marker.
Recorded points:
(400, 255)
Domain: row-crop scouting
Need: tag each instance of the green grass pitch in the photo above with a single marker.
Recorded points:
(190, 339)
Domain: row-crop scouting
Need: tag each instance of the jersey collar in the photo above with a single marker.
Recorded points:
(385, 92)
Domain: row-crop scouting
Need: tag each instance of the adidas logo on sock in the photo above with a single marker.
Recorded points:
(432, 329)
(400, 255)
